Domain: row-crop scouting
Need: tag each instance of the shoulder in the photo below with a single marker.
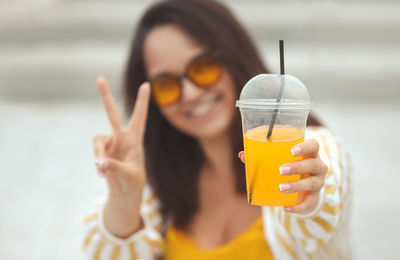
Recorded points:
(331, 146)
(336, 155)
(320, 132)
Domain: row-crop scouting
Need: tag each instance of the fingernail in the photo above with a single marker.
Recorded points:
(284, 169)
(100, 163)
(296, 151)
(284, 187)
(288, 209)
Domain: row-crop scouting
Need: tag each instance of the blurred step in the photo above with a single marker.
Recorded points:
(70, 71)
(341, 50)
(326, 21)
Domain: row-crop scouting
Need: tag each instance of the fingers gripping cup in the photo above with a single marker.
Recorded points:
(271, 127)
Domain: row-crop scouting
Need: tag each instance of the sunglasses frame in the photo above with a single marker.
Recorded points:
(185, 74)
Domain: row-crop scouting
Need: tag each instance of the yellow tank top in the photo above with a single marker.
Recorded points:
(250, 244)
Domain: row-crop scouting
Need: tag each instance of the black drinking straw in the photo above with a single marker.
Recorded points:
(278, 99)
(271, 125)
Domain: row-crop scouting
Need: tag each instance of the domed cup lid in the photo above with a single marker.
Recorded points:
(272, 91)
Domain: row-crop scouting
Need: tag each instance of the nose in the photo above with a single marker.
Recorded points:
(190, 92)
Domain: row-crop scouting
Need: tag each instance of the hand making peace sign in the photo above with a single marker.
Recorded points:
(120, 156)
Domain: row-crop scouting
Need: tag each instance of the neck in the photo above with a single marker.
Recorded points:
(218, 152)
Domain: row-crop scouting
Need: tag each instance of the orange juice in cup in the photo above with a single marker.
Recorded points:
(266, 151)
(263, 159)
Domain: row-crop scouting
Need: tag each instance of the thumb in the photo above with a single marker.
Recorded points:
(241, 156)
(112, 165)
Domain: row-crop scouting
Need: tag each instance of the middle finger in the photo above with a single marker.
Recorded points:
(137, 123)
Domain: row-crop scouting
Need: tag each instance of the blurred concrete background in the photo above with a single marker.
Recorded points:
(346, 52)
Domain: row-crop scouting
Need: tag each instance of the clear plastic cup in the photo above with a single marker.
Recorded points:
(259, 106)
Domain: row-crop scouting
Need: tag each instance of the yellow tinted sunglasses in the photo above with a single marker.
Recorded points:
(204, 71)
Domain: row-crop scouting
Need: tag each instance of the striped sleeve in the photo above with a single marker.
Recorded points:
(147, 243)
(315, 229)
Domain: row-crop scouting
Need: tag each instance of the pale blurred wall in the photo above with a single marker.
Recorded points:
(347, 53)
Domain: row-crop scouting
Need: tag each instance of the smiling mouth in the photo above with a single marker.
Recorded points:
(204, 108)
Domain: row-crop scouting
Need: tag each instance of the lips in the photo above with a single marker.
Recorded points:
(203, 108)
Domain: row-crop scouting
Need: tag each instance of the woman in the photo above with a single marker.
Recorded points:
(176, 186)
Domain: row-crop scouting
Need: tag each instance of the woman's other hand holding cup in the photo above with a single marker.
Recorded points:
(312, 171)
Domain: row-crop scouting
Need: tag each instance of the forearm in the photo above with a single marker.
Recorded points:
(122, 217)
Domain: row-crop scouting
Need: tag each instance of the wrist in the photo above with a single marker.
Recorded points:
(122, 216)
(127, 203)
(117, 233)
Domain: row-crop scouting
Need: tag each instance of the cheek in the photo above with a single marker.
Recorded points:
(175, 116)
(227, 88)
(170, 113)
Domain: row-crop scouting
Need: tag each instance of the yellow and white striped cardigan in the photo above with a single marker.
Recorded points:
(322, 234)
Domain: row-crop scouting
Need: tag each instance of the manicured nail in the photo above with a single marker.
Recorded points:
(288, 209)
(100, 163)
(296, 151)
(284, 169)
(284, 187)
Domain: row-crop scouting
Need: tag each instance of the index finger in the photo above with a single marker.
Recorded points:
(308, 148)
(137, 122)
(109, 104)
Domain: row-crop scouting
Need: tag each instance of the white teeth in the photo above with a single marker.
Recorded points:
(204, 108)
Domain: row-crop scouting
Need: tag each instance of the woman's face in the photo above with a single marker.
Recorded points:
(201, 113)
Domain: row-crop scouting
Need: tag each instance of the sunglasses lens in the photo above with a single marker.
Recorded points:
(205, 71)
(166, 90)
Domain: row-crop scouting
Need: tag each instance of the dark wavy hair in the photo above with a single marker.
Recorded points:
(174, 159)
